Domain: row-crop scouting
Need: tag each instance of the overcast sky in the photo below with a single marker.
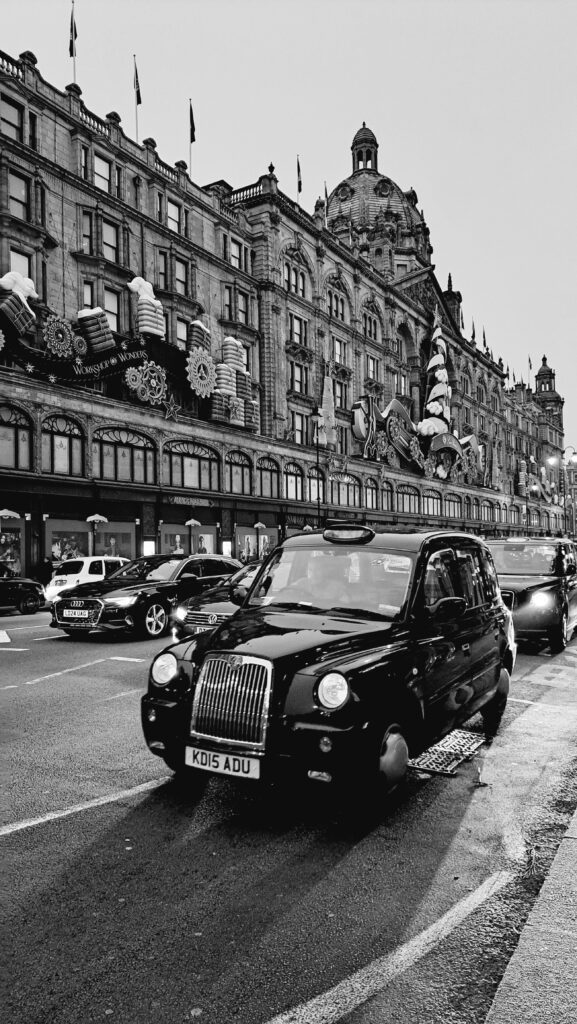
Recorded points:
(472, 103)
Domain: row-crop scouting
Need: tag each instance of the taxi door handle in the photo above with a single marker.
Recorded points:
(465, 648)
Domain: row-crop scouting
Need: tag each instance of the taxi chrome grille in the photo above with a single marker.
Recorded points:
(69, 604)
(231, 700)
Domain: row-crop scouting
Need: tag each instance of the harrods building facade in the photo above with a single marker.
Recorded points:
(185, 362)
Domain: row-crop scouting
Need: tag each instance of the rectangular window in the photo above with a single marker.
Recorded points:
(298, 329)
(339, 351)
(173, 216)
(88, 295)
(19, 189)
(87, 233)
(298, 427)
(372, 368)
(159, 207)
(299, 378)
(110, 241)
(84, 162)
(181, 333)
(235, 253)
(341, 394)
(162, 271)
(12, 119)
(21, 263)
(242, 306)
(102, 173)
(401, 384)
(180, 276)
(111, 307)
(32, 131)
(343, 440)
(225, 247)
(227, 302)
(186, 223)
(118, 182)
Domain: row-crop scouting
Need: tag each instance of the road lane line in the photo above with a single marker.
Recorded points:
(101, 801)
(63, 672)
(125, 693)
(127, 659)
(10, 650)
(539, 703)
(355, 990)
(35, 639)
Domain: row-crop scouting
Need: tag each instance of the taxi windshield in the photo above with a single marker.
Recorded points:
(526, 557)
(346, 579)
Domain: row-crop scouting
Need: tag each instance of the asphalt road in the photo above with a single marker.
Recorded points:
(131, 900)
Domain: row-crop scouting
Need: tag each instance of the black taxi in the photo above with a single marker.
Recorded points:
(352, 652)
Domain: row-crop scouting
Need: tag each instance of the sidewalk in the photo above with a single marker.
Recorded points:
(540, 983)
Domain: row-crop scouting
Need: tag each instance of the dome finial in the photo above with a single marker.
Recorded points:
(364, 150)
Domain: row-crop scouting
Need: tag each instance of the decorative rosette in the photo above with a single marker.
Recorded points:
(201, 373)
(58, 336)
(132, 378)
(79, 345)
(149, 382)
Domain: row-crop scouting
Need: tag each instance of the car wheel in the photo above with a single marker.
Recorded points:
(493, 712)
(29, 604)
(155, 620)
(393, 759)
(559, 635)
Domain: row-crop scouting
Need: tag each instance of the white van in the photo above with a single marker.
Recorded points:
(81, 570)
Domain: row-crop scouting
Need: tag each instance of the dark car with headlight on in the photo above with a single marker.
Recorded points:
(215, 605)
(538, 577)
(140, 596)
(353, 651)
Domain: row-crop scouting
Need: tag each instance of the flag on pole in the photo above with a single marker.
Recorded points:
(473, 331)
(192, 128)
(530, 363)
(136, 85)
(73, 35)
(326, 196)
(299, 179)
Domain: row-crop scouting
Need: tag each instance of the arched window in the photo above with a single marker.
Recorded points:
(124, 455)
(453, 506)
(335, 305)
(346, 491)
(387, 498)
(371, 494)
(466, 385)
(476, 511)
(371, 326)
(185, 464)
(62, 446)
(486, 512)
(467, 507)
(481, 395)
(238, 473)
(545, 522)
(268, 477)
(514, 515)
(408, 500)
(316, 485)
(431, 503)
(294, 280)
(15, 439)
(533, 517)
(293, 482)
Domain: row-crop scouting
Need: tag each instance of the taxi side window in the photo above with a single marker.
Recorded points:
(571, 559)
(489, 576)
(439, 577)
(470, 577)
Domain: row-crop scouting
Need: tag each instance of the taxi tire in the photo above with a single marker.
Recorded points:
(559, 635)
(493, 712)
(393, 759)
(29, 604)
(154, 614)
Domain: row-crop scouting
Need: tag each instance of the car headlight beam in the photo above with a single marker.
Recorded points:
(333, 691)
(120, 602)
(164, 668)
(541, 599)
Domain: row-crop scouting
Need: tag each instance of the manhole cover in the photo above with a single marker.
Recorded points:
(447, 754)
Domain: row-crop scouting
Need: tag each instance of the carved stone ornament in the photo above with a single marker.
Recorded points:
(58, 336)
(383, 188)
(148, 381)
(201, 373)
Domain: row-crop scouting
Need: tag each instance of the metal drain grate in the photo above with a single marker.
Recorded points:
(447, 754)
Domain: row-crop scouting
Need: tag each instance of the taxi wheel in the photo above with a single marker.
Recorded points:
(493, 712)
(155, 620)
(29, 604)
(393, 758)
(559, 635)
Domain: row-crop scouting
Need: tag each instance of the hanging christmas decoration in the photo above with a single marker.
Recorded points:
(148, 381)
(172, 409)
(58, 336)
(201, 373)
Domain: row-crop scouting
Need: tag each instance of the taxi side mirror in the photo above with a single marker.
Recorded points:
(238, 594)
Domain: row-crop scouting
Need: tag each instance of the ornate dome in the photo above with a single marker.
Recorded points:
(365, 136)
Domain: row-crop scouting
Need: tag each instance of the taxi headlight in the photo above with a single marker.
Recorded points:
(164, 668)
(540, 599)
(333, 690)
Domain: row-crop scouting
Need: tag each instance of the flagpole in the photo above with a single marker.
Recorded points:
(189, 140)
(73, 45)
(135, 99)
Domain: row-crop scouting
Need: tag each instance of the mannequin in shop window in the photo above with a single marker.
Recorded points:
(111, 548)
(201, 550)
(178, 548)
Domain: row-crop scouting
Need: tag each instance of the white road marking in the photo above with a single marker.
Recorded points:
(127, 659)
(10, 650)
(4, 638)
(64, 671)
(539, 703)
(351, 993)
(35, 639)
(101, 801)
(125, 693)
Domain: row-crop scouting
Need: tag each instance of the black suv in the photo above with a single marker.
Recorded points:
(353, 651)
(139, 596)
(19, 592)
(538, 576)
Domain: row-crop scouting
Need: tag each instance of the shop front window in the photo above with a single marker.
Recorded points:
(15, 439)
(123, 455)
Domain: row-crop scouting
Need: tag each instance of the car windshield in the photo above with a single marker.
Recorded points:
(245, 575)
(69, 568)
(352, 580)
(147, 569)
(526, 557)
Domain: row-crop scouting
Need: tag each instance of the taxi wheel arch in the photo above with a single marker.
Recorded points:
(393, 757)
(559, 634)
(494, 710)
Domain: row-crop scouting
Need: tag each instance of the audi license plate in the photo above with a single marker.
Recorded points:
(75, 613)
(223, 764)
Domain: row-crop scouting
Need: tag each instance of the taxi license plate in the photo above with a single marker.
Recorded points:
(223, 764)
(75, 613)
